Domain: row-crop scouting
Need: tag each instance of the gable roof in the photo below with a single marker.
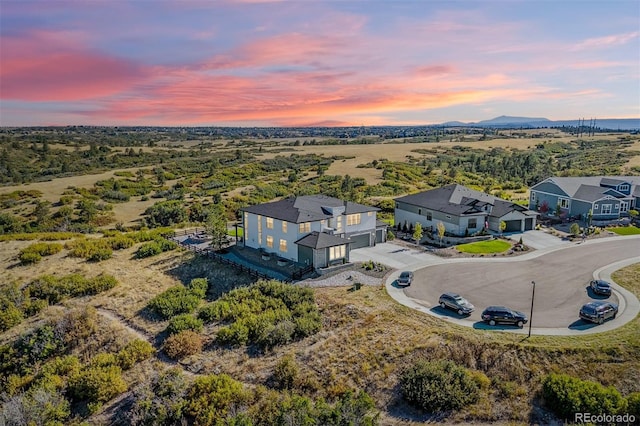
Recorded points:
(306, 208)
(571, 185)
(320, 240)
(459, 200)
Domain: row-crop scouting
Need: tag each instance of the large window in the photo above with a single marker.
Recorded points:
(304, 227)
(259, 230)
(473, 223)
(624, 188)
(533, 196)
(246, 225)
(337, 252)
(353, 219)
(283, 246)
(269, 241)
(269, 223)
(624, 206)
(429, 216)
(284, 227)
(606, 209)
(564, 203)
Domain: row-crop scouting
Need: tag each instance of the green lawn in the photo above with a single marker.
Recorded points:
(485, 247)
(232, 232)
(625, 230)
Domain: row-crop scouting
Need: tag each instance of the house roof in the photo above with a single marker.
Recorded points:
(320, 240)
(306, 208)
(571, 185)
(594, 193)
(459, 200)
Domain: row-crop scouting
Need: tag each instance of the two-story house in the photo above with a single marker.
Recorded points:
(312, 229)
(462, 211)
(607, 197)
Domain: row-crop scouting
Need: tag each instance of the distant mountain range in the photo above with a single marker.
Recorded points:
(532, 122)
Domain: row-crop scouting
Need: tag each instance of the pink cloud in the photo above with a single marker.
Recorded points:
(607, 41)
(46, 66)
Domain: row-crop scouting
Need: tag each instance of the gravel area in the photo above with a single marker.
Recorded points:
(342, 279)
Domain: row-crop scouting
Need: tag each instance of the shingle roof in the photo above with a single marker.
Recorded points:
(320, 240)
(306, 208)
(571, 185)
(592, 193)
(459, 200)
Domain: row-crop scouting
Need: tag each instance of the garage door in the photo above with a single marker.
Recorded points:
(380, 236)
(512, 226)
(528, 224)
(358, 241)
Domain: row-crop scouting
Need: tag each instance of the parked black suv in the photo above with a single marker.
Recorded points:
(600, 287)
(405, 278)
(499, 314)
(456, 302)
(598, 311)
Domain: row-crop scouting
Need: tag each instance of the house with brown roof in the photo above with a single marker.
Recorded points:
(463, 211)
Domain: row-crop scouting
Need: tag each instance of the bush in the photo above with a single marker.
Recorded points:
(174, 301)
(148, 249)
(215, 311)
(439, 386)
(135, 351)
(566, 395)
(10, 315)
(237, 334)
(285, 373)
(120, 242)
(160, 402)
(633, 404)
(99, 254)
(97, 384)
(199, 287)
(183, 344)
(53, 289)
(184, 322)
(212, 398)
(29, 258)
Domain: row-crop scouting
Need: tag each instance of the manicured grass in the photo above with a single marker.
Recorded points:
(485, 247)
(625, 230)
(232, 232)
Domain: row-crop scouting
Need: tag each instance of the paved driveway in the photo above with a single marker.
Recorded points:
(395, 256)
(539, 239)
(561, 274)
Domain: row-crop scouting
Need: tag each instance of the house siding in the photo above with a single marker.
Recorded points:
(598, 209)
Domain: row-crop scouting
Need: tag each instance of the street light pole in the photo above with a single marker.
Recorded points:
(533, 294)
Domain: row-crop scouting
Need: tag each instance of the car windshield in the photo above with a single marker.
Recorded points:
(460, 300)
(589, 309)
(601, 284)
(405, 274)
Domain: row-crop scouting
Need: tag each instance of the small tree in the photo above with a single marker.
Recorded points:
(417, 232)
(633, 213)
(574, 229)
(217, 227)
(503, 226)
(441, 229)
(558, 210)
(544, 207)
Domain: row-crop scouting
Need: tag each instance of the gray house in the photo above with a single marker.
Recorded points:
(312, 229)
(608, 197)
(463, 211)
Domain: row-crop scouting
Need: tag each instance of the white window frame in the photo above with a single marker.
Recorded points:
(283, 245)
(595, 207)
(337, 252)
(246, 225)
(269, 241)
(269, 222)
(623, 187)
(624, 206)
(354, 219)
(564, 203)
(475, 225)
(429, 215)
(533, 196)
(304, 227)
(284, 227)
(606, 207)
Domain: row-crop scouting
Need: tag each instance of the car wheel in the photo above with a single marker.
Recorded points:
(520, 324)
(600, 320)
(460, 312)
(492, 322)
(442, 305)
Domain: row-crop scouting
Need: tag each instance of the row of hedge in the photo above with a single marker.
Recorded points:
(33, 253)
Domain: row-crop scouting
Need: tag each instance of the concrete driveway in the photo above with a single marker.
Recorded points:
(539, 239)
(395, 256)
(561, 273)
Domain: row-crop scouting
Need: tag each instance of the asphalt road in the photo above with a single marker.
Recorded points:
(561, 277)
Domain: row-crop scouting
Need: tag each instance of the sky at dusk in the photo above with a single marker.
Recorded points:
(315, 63)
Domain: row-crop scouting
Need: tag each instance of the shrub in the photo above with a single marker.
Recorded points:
(285, 373)
(34, 252)
(633, 404)
(10, 315)
(104, 360)
(99, 284)
(237, 334)
(213, 397)
(174, 301)
(438, 386)
(199, 287)
(53, 289)
(135, 351)
(120, 242)
(215, 311)
(29, 258)
(160, 402)
(99, 254)
(97, 384)
(148, 249)
(183, 344)
(566, 395)
(184, 322)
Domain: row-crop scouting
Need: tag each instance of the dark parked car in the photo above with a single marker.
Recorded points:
(456, 302)
(600, 287)
(499, 314)
(405, 278)
(598, 311)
